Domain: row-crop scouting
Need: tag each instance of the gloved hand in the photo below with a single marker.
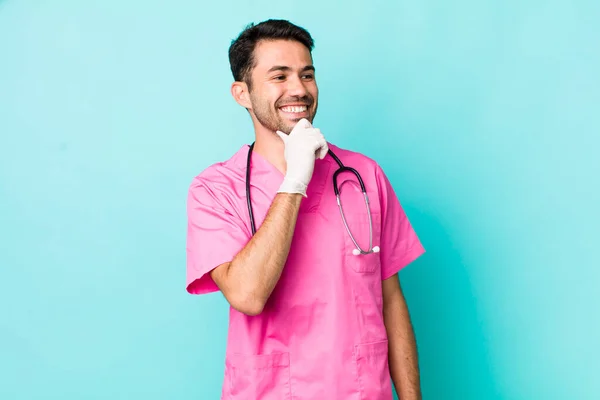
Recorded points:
(302, 146)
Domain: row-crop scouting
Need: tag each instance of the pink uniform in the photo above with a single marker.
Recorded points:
(321, 335)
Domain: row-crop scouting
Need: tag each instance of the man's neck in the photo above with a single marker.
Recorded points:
(270, 147)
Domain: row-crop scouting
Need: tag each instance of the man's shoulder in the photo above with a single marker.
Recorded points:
(220, 172)
(353, 158)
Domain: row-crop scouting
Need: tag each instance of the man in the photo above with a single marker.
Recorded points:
(309, 319)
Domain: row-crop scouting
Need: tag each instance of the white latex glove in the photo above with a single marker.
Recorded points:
(302, 146)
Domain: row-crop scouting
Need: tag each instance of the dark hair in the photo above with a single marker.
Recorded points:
(241, 51)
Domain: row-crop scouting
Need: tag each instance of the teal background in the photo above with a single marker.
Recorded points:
(483, 114)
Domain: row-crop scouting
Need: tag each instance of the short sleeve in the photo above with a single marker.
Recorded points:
(400, 244)
(214, 236)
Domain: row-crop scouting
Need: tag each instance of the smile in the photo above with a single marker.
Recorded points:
(294, 109)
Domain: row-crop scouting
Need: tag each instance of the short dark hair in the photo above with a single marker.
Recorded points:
(241, 51)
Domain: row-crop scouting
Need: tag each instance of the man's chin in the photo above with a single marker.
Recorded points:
(287, 130)
(287, 126)
(290, 123)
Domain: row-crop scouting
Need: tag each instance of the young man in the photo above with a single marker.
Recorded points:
(317, 311)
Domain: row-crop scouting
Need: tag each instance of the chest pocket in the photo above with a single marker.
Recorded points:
(357, 220)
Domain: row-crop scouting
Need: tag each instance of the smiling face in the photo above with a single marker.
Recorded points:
(283, 88)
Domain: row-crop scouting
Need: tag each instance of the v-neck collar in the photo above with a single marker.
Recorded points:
(265, 174)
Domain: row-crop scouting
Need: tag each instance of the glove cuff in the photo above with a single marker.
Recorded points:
(292, 186)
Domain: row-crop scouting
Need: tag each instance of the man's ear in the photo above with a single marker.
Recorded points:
(239, 91)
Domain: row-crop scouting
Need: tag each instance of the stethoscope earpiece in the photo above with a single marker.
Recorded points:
(357, 252)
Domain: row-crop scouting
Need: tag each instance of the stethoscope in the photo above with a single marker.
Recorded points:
(358, 250)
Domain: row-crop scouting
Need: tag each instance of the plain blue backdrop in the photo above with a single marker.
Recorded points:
(483, 114)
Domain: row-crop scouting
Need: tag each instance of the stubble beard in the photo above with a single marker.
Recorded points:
(269, 117)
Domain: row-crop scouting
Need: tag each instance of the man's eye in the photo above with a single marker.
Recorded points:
(309, 76)
(279, 78)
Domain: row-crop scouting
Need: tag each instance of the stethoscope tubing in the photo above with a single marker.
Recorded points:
(342, 168)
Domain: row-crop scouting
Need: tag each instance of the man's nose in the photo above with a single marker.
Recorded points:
(296, 87)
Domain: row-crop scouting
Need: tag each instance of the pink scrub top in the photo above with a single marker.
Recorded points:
(321, 335)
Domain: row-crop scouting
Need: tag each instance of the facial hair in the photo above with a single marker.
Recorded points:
(269, 116)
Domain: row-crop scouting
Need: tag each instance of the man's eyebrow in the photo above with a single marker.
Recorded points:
(284, 68)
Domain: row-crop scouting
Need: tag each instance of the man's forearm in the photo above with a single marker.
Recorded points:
(256, 269)
(403, 357)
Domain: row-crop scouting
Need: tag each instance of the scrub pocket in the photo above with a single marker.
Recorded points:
(265, 377)
(373, 370)
(359, 227)
(357, 218)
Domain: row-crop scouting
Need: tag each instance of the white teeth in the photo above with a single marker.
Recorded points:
(294, 109)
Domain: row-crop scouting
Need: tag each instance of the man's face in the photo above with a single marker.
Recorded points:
(284, 89)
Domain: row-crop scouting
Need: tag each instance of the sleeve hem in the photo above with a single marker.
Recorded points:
(202, 283)
(415, 252)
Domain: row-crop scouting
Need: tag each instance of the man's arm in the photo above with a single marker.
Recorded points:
(403, 358)
(249, 279)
